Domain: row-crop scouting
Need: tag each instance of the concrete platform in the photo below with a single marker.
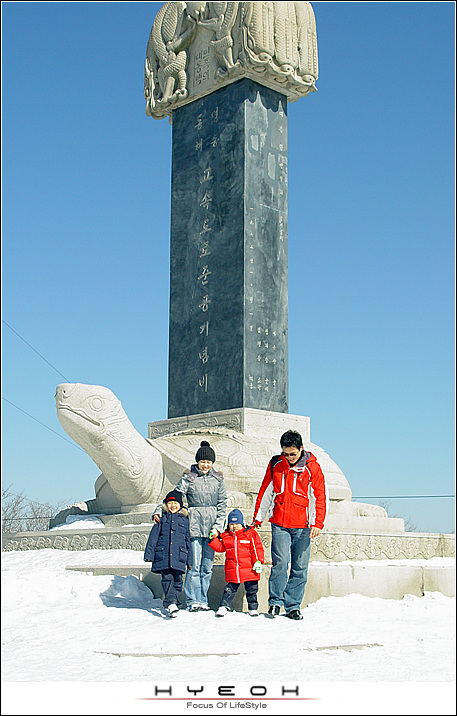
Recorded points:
(369, 578)
(386, 565)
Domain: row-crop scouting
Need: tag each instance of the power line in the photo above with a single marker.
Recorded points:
(21, 519)
(357, 497)
(34, 349)
(39, 421)
(354, 497)
(398, 497)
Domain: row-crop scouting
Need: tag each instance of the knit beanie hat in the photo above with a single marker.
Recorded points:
(205, 452)
(235, 517)
(175, 495)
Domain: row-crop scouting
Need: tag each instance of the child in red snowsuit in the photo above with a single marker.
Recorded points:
(243, 562)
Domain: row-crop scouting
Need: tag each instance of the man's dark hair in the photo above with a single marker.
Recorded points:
(291, 438)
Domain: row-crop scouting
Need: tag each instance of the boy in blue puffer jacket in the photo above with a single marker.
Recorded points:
(168, 548)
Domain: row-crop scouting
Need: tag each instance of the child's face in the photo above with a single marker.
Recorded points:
(173, 506)
(235, 526)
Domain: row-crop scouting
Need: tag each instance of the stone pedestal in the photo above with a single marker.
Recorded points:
(244, 440)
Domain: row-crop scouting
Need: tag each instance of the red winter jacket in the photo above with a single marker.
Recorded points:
(291, 489)
(242, 548)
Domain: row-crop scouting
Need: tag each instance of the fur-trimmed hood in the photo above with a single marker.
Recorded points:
(195, 472)
(183, 511)
(165, 552)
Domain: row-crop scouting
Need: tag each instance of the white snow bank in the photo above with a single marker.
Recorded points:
(62, 627)
(78, 522)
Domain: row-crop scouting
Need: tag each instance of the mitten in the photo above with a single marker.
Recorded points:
(257, 567)
(213, 533)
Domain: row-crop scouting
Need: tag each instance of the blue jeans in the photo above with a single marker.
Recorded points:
(199, 577)
(288, 545)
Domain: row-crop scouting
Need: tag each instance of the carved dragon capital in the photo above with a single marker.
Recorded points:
(195, 48)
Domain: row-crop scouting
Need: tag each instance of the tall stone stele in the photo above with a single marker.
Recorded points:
(224, 74)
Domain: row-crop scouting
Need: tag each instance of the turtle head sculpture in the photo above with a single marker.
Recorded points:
(95, 419)
(133, 471)
(91, 411)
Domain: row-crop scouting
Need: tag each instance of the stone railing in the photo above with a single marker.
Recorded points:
(328, 547)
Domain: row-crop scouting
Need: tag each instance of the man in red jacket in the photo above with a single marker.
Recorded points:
(292, 480)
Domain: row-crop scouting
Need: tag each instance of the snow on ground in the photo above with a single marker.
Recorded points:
(65, 626)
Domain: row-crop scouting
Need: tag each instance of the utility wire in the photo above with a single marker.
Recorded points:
(397, 497)
(358, 497)
(39, 421)
(21, 519)
(57, 371)
(33, 349)
(354, 497)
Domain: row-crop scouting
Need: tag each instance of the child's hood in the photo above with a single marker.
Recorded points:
(183, 511)
(194, 472)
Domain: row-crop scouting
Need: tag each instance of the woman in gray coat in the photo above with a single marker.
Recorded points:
(206, 496)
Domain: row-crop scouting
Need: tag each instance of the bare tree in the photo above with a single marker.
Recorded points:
(19, 514)
(12, 506)
(409, 525)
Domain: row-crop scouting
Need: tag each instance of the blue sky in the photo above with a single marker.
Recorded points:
(85, 242)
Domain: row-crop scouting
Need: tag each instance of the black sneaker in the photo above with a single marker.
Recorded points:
(294, 614)
(274, 610)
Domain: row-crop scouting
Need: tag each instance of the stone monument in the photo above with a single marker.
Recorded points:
(224, 73)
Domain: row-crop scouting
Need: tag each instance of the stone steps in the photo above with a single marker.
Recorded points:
(369, 578)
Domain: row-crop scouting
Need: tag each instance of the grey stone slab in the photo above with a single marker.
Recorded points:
(248, 421)
(228, 270)
(439, 579)
(385, 581)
